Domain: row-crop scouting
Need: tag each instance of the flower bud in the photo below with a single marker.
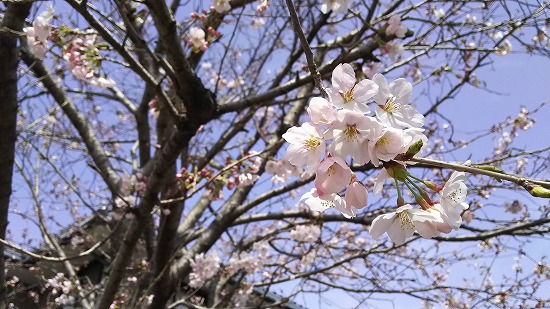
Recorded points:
(396, 170)
(415, 148)
(400, 202)
(422, 202)
(432, 186)
(539, 191)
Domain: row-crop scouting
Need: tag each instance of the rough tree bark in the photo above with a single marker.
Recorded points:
(11, 27)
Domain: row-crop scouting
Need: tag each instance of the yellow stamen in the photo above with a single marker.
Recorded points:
(351, 132)
(382, 141)
(391, 105)
(405, 219)
(312, 143)
(348, 96)
(331, 170)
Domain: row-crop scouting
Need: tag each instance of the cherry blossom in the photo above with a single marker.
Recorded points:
(321, 111)
(236, 83)
(247, 262)
(282, 170)
(262, 7)
(395, 27)
(392, 100)
(356, 195)
(505, 48)
(349, 134)
(320, 203)
(59, 284)
(240, 298)
(454, 191)
(453, 195)
(307, 146)
(317, 202)
(38, 47)
(439, 13)
(337, 6)
(402, 224)
(257, 23)
(196, 39)
(332, 175)
(393, 49)
(514, 207)
(81, 55)
(76, 57)
(204, 267)
(541, 37)
(391, 143)
(379, 181)
(445, 226)
(247, 179)
(347, 93)
(414, 135)
(308, 258)
(102, 82)
(37, 35)
(221, 6)
(305, 233)
(371, 69)
(469, 19)
(262, 248)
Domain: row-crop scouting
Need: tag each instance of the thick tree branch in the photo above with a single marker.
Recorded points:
(197, 100)
(10, 26)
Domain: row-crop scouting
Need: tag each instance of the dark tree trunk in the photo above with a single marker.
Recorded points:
(14, 18)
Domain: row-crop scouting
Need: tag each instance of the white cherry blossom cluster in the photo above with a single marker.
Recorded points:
(61, 288)
(246, 262)
(82, 58)
(431, 220)
(204, 268)
(240, 298)
(250, 173)
(340, 130)
(305, 233)
(343, 120)
(282, 170)
(37, 35)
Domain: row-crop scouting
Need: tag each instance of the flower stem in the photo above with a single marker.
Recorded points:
(400, 200)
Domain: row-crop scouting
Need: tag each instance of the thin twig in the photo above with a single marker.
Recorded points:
(531, 185)
(307, 49)
(51, 258)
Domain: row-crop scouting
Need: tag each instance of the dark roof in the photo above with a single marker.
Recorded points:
(274, 298)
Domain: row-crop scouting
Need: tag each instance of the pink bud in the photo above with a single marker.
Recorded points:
(356, 195)
(333, 173)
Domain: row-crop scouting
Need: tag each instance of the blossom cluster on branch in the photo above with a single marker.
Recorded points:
(341, 125)
(80, 51)
(38, 34)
